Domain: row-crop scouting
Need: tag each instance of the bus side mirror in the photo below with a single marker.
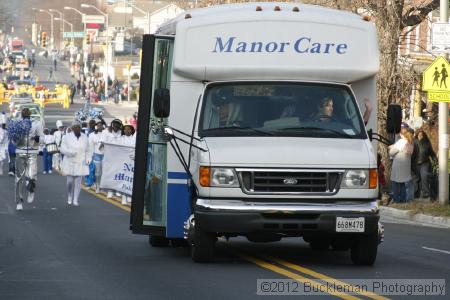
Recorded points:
(161, 105)
(394, 119)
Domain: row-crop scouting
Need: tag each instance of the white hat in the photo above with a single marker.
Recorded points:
(59, 123)
(76, 123)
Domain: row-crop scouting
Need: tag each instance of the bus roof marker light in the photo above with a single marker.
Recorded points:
(296, 9)
(258, 8)
(188, 16)
(366, 18)
(277, 8)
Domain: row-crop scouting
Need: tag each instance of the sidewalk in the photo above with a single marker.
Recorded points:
(415, 217)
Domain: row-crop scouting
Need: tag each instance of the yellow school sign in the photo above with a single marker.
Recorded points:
(436, 80)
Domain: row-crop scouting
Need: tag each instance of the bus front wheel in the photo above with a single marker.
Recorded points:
(202, 246)
(364, 250)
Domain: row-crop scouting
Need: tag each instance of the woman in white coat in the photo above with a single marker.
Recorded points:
(114, 136)
(58, 134)
(75, 164)
(128, 139)
(401, 153)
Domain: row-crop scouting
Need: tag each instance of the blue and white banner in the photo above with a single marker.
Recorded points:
(118, 168)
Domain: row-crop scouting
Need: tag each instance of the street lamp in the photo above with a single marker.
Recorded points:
(106, 69)
(34, 12)
(82, 15)
(51, 27)
(34, 27)
(71, 28)
(84, 27)
(61, 28)
(147, 13)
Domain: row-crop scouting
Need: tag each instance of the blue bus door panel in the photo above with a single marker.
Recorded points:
(178, 204)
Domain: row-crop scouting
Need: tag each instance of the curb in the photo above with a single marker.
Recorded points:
(421, 219)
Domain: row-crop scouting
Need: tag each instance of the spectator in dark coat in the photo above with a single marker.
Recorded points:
(78, 85)
(83, 90)
(73, 90)
(424, 157)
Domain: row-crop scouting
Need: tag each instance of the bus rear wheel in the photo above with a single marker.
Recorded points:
(179, 243)
(158, 241)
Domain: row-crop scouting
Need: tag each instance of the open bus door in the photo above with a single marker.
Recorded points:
(149, 209)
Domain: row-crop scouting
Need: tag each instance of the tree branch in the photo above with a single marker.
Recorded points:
(416, 14)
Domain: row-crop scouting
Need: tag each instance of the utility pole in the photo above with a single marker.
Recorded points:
(51, 27)
(443, 130)
(106, 70)
(129, 83)
(61, 27)
(34, 32)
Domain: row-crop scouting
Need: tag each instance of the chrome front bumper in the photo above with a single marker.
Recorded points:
(225, 206)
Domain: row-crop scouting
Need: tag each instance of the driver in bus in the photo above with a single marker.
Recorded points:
(324, 110)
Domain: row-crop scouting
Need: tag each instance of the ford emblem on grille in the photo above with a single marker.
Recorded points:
(290, 181)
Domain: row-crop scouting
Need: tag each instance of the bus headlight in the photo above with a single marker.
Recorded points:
(224, 177)
(355, 179)
(218, 177)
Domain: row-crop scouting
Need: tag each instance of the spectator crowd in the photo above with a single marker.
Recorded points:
(412, 158)
(76, 151)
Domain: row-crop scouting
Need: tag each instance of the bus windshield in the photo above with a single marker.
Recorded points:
(280, 109)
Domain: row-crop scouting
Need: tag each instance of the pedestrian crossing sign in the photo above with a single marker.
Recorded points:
(436, 77)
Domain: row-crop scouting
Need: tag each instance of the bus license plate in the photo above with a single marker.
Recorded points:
(349, 224)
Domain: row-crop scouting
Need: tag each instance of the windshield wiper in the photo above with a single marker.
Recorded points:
(227, 128)
(335, 132)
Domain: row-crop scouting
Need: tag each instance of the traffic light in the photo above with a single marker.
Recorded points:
(44, 39)
(88, 39)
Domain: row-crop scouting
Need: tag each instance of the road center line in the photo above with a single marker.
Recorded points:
(323, 277)
(273, 267)
(295, 276)
(113, 202)
(259, 262)
(436, 250)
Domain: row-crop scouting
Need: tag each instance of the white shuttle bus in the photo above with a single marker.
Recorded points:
(250, 124)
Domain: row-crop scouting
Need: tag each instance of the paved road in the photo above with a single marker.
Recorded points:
(53, 251)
